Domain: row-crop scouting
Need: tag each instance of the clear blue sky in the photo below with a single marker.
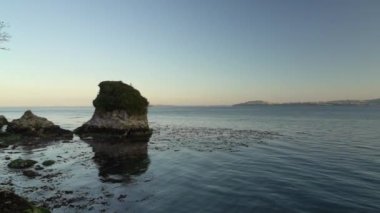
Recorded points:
(191, 52)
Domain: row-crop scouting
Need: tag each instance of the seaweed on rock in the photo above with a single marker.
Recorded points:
(116, 95)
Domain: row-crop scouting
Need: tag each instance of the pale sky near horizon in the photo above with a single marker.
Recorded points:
(198, 52)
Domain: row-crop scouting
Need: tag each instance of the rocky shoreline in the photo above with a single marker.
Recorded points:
(93, 175)
(120, 112)
(120, 116)
(45, 175)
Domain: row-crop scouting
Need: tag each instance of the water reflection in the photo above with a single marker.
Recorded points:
(119, 160)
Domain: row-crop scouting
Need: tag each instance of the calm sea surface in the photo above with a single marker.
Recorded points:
(211, 159)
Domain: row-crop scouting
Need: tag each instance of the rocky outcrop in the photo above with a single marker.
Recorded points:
(31, 125)
(120, 111)
(3, 121)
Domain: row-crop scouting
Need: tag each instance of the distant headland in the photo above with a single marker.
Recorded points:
(319, 103)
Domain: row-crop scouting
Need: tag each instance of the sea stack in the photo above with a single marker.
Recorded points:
(120, 111)
(30, 125)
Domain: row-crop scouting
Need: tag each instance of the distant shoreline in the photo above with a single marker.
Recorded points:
(188, 106)
(372, 102)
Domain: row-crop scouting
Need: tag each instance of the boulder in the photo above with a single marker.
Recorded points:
(3, 121)
(35, 126)
(120, 110)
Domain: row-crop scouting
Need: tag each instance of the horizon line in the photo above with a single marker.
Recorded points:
(194, 105)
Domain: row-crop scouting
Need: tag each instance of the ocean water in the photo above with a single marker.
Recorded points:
(211, 159)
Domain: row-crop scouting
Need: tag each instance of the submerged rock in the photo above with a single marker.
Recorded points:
(11, 203)
(48, 162)
(38, 167)
(3, 121)
(34, 126)
(120, 111)
(30, 173)
(21, 164)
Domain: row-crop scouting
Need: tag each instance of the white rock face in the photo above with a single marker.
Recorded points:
(116, 123)
(118, 120)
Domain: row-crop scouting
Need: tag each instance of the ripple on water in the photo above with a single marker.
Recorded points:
(308, 162)
(207, 139)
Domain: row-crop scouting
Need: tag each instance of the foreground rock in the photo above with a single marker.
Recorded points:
(120, 111)
(3, 121)
(12, 203)
(31, 125)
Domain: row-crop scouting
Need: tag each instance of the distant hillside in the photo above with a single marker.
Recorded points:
(248, 103)
(322, 103)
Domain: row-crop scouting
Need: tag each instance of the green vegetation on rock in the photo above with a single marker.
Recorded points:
(116, 95)
(48, 162)
(21, 164)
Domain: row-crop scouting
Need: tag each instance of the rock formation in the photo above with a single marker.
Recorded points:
(120, 111)
(34, 126)
(3, 121)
